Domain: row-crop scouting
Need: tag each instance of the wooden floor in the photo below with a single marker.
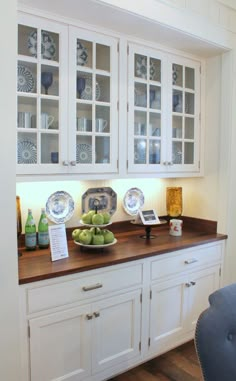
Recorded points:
(180, 364)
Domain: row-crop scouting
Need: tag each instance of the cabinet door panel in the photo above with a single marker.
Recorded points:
(167, 311)
(59, 345)
(203, 284)
(116, 330)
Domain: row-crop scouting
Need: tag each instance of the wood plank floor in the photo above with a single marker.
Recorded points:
(180, 364)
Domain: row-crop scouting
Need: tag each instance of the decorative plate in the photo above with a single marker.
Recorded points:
(96, 246)
(92, 225)
(83, 153)
(141, 68)
(87, 92)
(174, 75)
(106, 199)
(60, 207)
(48, 46)
(133, 201)
(82, 54)
(25, 79)
(26, 152)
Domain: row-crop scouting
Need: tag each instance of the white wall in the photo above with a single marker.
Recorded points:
(9, 349)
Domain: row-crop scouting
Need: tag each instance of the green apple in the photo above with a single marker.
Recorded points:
(85, 237)
(106, 217)
(75, 234)
(108, 236)
(91, 213)
(93, 230)
(86, 218)
(98, 239)
(98, 219)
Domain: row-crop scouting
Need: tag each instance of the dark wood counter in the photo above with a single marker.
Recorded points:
(37, 265)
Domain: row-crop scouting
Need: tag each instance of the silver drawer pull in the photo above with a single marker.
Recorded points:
(189, 261)
(92, 287)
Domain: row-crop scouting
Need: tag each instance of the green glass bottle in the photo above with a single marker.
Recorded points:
(30, 232)
(43, 236)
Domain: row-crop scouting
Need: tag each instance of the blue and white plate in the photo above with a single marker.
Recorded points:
(84, 153)
(105, 200)
(60, 207)
(26, 152)
(133, 201)
(25, 79)
(82, 54)
(88, 91)
(48, 46)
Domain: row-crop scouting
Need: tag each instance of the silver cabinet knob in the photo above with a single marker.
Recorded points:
(170, 163)
(89, 316)
(193, 283)
(188, 284)
(96, 314)
(73, 163)
(65, 163)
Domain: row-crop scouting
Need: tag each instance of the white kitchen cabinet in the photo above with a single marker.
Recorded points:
(41, 106)
(82, 326)
(67, 99)
(176, 304)
(95, 324)
(163, 112)
(75, 122)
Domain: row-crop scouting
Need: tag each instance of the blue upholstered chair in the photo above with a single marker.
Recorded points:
(215, 336)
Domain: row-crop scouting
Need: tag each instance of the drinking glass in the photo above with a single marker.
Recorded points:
(46, 80)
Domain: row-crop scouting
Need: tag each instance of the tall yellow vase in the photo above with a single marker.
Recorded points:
(174, 202)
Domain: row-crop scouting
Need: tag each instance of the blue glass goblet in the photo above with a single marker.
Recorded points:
(46, 80)
(80, 85)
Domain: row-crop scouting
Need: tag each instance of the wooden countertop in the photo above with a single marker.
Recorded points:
(37, 265)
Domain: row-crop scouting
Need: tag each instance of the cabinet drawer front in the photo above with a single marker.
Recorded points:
(184, 261)
(83, 287)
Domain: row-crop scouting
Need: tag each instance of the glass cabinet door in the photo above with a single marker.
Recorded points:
(39, 86)
(93, 111)
(185, 114)
(145, 109)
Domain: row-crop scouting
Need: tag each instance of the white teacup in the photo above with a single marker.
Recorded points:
(101, 124)
(176, 227)
(24, 119)
(46, 120)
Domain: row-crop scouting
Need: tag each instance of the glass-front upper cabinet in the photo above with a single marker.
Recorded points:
(163, 112)
(93, 108)
(40, 108)
(146, 105)
(185, 112)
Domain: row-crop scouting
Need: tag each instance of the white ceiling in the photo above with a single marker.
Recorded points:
(93, 12)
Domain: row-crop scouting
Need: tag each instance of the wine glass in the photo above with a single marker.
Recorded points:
(80, 85)
(46, 80)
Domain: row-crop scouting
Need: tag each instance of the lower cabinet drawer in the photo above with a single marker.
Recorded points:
(185, 260)
(86, 285)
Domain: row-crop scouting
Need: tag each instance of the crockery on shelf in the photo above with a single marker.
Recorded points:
(48, 46)
(26, 152)
(25, 79)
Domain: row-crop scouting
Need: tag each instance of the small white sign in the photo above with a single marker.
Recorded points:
(149, 217)
(58, 242)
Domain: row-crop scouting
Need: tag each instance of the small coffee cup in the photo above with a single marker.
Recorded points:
(175, 227)
(46, 120)
(101, 124)
(24, 119)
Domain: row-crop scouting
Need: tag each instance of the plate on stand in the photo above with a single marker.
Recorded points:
(133, 201)
(60, 207)
(25, 79)
(48, 46)
(26, 152)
